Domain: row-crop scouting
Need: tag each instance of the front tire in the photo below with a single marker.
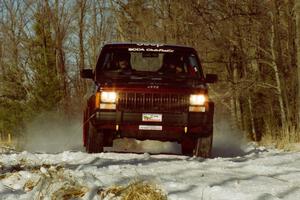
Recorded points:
(95, 139)
(187, 146)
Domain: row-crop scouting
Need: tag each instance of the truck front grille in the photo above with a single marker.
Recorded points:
(153, 102)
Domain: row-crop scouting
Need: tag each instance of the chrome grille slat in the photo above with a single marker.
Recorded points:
(132, 101)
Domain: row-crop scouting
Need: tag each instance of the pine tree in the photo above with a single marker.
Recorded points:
(46, 92)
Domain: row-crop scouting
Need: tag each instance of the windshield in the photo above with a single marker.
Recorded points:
(154, 62)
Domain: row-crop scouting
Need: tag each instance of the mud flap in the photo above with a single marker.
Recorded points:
(203, 147)
(85, 128)
(95, 140)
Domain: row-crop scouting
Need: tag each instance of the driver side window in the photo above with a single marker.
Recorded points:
(107, 64)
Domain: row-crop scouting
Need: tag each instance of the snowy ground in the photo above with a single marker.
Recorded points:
(256, 174)
(55, 166)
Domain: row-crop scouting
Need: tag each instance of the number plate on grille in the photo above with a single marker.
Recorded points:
(151, 117)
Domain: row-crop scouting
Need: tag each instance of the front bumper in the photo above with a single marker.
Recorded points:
(172, 127)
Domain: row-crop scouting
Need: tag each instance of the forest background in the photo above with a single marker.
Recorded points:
(253, 46)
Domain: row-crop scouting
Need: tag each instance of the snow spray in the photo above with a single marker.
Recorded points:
(51, 132)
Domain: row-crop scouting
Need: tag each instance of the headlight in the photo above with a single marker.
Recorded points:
(108, 97)
(197, 99)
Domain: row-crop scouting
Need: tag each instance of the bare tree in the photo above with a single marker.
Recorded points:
(297, 40)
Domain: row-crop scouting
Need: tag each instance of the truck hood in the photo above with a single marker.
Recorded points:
(150, 80)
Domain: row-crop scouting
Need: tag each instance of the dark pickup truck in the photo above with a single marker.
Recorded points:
(149, 91)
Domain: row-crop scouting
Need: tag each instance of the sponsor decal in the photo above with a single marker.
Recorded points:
(150, 127)
(153, 86)
(151, 50)
(160, 50)
(150, 117)
(153, 45)
(136, 49)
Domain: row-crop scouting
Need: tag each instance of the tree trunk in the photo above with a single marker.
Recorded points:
(251, 116)
(277, 75)
(254, 68)
(235, 100)
(297, 17)
(60, 57)
(95, 42)
(81, 30)
(292, 64)
(82, 10)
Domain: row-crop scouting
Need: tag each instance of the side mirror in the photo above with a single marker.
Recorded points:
(87, 73)
(211, 78)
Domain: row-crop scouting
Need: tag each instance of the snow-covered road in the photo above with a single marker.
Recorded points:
(257, 175)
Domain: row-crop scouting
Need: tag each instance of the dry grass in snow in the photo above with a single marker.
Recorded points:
(138, 190)
(56, 182)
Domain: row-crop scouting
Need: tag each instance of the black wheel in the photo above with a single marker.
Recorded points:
(187, 146)
(108, 139)
(203, 147)
(95, 140)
